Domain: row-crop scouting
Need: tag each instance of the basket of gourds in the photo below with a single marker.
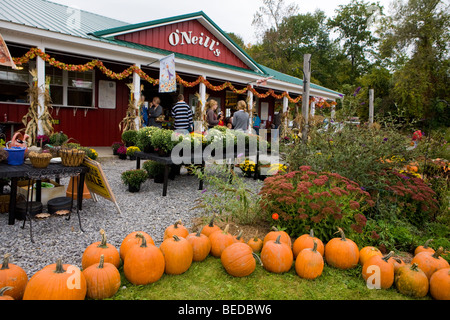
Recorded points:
(72, 157)
(40, 160)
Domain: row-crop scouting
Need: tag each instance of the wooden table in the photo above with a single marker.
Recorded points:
(29, 172)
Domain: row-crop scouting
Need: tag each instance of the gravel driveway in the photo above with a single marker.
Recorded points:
(145, 211)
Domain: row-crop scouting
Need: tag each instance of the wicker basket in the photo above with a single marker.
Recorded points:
(72, 157)
(40, 160)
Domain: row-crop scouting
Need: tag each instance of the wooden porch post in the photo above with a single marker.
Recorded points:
(40, 68)
(137, 96)
(250, 108)
(306, 90)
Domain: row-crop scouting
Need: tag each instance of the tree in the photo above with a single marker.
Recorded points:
(417, 41)
(271, 15)
(353, 24)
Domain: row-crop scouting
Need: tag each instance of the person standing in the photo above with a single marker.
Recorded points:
(241, 118)
(154, 112)
(211, 113)
(256, 122)
(144, 111)
(182, 114)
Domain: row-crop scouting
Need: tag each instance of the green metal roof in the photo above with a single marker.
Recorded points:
(46, 15)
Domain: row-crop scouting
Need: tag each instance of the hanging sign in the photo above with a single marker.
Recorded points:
(97, 182)
(167, 75)
(5, 56)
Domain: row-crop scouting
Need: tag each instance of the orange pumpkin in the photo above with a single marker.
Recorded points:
(342, 253)
(412, 281)
(201, 246)
(102, 279)
(277, 256)
(309, 263)
(210, 228)
(93, 253)
(256, 244)
(2, 293)
(13, 276)
(386, 269)
(239, 238)
(219, 241)
(306, 241)
(397, 263)
(238, 260)
(178, 254)
(144, 264)
(368, 252)
(176, 229)
(273, 235)
(429, 262)
(440, 285)
(132, 240)
(51, 283)
(425, 248)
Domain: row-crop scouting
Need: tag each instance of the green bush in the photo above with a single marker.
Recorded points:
(58, 139)
(163, 140)
(144, 137)
(153, 168)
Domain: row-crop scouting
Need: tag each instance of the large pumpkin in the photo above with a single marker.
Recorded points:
(276, 256)
(440, 284)
(368, 252)
(177, 229)
(178, 254)
(93, 253)
(307, 241)
(309, 263)
(429, 262)
(201, 246)
(220, 240)
(238, 260)
(386, 270)
(210, 228)
(412, 281)
(342, 253)
(144, 264)
(57, 282)
(132, 240)
(3, 296)
(13, 276)
(425, 248)
(102, 279)
(256, 244)
(273, 235)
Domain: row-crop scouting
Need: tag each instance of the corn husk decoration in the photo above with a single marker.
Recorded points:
(200, 112)
(134, 106)
(31, 119)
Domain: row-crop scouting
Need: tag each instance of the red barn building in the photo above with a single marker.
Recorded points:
(89, 105)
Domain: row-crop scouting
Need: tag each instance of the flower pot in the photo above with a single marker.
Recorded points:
(134, 189)
(159, 179)
(132, 158)
(149, 149)
(122, 156)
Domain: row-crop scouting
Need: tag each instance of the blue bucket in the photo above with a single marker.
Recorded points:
(16, 156)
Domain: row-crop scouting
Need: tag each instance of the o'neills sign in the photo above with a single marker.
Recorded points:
(186, 38)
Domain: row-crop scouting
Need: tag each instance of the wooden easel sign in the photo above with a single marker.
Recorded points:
(97, 182)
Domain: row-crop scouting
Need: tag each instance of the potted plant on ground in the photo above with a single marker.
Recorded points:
(115, 146)
(122, 152)
(155, 170)
(129, 138)
(134, 179)
(131, 151)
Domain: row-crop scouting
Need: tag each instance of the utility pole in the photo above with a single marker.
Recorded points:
(306, 90)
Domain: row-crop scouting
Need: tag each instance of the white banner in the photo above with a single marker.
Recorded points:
(167, 75)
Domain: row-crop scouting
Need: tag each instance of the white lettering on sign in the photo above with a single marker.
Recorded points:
(186, 38)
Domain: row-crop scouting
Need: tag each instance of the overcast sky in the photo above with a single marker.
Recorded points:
(230, 15)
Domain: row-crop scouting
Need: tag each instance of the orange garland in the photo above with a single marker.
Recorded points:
(134, 69)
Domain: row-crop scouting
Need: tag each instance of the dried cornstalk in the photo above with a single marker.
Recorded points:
(129, 122)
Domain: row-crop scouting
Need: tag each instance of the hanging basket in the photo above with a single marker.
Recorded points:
(72, 157)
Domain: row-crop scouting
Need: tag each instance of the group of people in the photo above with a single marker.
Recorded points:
(183, 117)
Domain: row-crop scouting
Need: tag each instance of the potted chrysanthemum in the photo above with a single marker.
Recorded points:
(134, 179)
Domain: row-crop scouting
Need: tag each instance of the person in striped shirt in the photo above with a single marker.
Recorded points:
(182, 114)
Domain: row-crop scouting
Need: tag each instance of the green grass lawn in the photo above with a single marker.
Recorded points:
(208, 280)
